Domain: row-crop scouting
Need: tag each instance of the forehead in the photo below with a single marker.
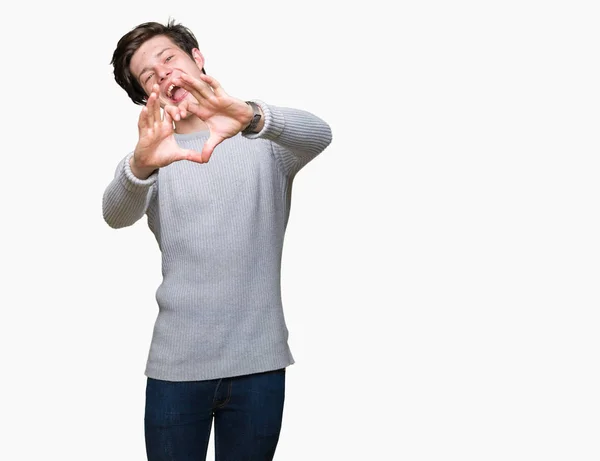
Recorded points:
(145, 55)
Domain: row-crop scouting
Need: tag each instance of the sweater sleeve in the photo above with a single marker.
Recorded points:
(298, 136)
(127, 197)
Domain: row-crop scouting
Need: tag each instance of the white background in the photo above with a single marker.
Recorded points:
(440, 272)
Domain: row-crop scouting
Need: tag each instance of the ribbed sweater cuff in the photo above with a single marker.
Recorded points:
(274, 123)
(131, 182)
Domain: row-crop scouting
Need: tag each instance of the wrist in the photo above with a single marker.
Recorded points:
(139, 171)
(257, 121)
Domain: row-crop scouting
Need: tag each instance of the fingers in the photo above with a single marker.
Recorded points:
(156, 105)
(168, 120)
(173, 112)
(209, 147)
(214, 84)
(192, 156)
(199, 88)
(204, 156)
(180, 112)
(152, 101)
(195, 109)
(143, 120)
(183, 109)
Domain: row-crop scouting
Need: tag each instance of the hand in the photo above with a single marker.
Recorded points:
(156, 146)
(225, 116)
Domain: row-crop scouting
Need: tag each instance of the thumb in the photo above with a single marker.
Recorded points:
(191, 155)
(209, 146)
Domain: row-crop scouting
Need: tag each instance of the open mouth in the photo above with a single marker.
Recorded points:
(176, 93)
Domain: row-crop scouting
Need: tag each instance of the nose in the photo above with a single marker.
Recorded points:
(163, 73)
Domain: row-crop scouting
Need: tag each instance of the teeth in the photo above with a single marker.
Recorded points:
(169, 90)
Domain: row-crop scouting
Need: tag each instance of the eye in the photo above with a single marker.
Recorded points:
(168, 59)
(148, 78)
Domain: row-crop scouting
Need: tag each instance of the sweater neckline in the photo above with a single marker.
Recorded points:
(190, 136)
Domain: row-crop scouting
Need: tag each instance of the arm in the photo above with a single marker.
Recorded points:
(298, 136)
(127, 197)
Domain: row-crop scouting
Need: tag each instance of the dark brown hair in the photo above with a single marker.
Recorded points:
(132, 40)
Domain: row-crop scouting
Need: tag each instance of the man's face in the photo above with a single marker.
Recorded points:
(159, 61)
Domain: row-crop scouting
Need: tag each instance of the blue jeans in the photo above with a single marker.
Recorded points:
(247, 412)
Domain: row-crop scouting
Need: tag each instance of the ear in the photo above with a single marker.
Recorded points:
(198, 58)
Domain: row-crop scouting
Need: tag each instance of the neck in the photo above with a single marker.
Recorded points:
(190, 124)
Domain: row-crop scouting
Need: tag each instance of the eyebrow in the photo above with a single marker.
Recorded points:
(147, 68)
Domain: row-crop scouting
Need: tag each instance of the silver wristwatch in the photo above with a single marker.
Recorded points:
(251, 128)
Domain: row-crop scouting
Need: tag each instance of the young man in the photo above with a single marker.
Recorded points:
(214, 176)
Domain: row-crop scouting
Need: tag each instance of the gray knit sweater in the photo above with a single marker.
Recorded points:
(220, 229)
